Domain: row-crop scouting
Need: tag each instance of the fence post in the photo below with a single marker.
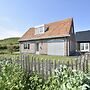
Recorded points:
(84, 65)
(87, 66)
(80, 63)
(42, 69)
(55, 64)
(38, 66)
(32, 63)
(46, 69)
(26, 62)
(76, 62)
(21, 60)
(68, 63)
(50, 71)
(72, 64)
(58, 63)
(35, 64)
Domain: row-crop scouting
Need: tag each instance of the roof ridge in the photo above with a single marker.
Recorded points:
(60, 20)
(82, 31)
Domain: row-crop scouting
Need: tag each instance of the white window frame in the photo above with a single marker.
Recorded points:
(84, 44)
(39, 29)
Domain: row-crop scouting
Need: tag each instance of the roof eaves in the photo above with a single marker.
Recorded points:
(45, 38)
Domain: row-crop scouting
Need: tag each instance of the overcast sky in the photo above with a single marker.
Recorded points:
(16, 16)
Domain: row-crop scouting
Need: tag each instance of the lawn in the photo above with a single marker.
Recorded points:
(40, 57)
(50, 57)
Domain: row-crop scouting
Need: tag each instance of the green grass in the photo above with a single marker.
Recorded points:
(44, 57)
(49, 57)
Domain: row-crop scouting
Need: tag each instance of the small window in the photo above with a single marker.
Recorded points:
(84, 46)
(26, 46)
(37, 46)
(39, 29)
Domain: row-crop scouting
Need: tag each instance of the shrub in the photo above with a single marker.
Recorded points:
(11, 76)
(33, 82)
(67, 79)
(3, 47)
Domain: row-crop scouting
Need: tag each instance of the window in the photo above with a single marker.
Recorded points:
(26, 46)
(37, 46)
(39, 29)
(84, 47)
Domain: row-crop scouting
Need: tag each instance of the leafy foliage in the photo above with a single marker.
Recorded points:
(67, 79)
(12, 77)
(33, 82)
(9, 45)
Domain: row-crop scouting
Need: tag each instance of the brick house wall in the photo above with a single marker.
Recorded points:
(43, 48)
(31, 47)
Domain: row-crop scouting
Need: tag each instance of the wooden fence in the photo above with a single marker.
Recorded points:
(46, 67)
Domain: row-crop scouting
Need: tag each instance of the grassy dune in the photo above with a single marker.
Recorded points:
(7, 41)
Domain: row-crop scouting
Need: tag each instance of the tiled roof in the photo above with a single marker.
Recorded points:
(55, 29)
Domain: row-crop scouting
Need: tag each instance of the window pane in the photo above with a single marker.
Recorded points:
(37, 47)
(86, 46)
(25, 46)
(28, 46)
(82, 46)
(41, 29)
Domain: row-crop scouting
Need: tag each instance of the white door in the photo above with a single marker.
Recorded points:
(56, 48)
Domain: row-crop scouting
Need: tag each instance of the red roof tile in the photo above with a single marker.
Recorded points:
(55, 29)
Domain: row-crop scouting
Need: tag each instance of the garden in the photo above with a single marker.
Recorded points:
(13, 77)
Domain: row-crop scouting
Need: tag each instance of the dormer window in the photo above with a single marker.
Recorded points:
(39, 29)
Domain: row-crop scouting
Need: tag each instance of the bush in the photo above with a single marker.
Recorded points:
(12, 48)
(16, 48)
(12, 77)
(33, 82)
(67, 79)
(3, 47)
